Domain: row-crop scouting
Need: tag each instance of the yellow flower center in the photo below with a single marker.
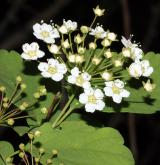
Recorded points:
(92, 99)
(32, 53)
(45, 34)
(116, 90)
(52, 70)
(79, 80)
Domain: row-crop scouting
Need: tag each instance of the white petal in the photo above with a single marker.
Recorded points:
(83, 98)
(43, 66)
(117, 98)
(46, 74)
(62, 68)
(148, 72)
(26, 47)
(34, 46)
(75, 71)
(108, 91)
(98, 94)
(52, 62)
(100, 105)
(86, 76)
(86, 85)
(109, 83)
(119, 83)
(90, 107)
(124, 93)
(71, 79)
(57, 77)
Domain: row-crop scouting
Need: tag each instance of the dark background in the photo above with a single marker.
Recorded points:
(139, 17)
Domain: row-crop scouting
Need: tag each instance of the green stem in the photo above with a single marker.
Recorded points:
(64, 117)
(31, 153)
(70, 41)
(63, 110)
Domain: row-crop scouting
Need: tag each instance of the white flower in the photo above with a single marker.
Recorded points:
(53, 69)
(147, 69)
(111, 36)
(135, 70)
(98, 32)
(31, 51)
(93, 100)
(79, 79)
(99, 12)
(140, 68)
(131, 49)
(45, 32)
(115, 90)
(68, 26)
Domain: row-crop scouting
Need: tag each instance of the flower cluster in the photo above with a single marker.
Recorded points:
(91, 68)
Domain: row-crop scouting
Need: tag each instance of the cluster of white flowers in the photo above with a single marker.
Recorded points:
(97, 71)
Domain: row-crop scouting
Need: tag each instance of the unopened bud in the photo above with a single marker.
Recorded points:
(5, 105)
(21, 155)
(36, 160)
(2, 88)
(30, 135)
(23, 86)
(54, 152)
(96, 60)
(49, 161)
(126, 52)
(81, 50)
(92, 45)
(98, 12)
(79, 59)
(37, 133)
(78, 39)
(72, 58)
(44, 110)
(111, 36)
(66, 44)
(41, 150)
(107, 76)
(9, 160)
(118, 63)
(5, 99)
(54, 49)
(148, 86)
(19, 79)
(36, 95)
(84, 29)
(108, 54)
(106, 42)
(10, 121)
(21, 146)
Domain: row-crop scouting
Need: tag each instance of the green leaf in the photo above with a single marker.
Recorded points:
(80, 144)
(6, 150)
(12, 65)
(140, 101)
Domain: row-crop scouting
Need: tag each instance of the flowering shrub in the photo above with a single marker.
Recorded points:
(79, 71)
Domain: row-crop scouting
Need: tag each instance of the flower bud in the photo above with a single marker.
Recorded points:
(44, 110)
(5, 105)
(84, 29)
(36, 95)
(78, 39)
(54, 49)
(72, 58)
(111, 36)
(126, 52)
(65, 44)
(49, 161)
(21, 146)
(108, 54)
(36, 160)
(118, 63)
(98, 12)
(37, 133)
(107, 76)
(23, 86)
(9, 160)
(5, 99)
(19, 79)
(10, 121)
(79, 59)
(148, 86)
(96, 60)
(42, 90)
(41, 150)
(30, 135)
(92, 45)
(81, 50)
(2, 88)
(105, 42)
(21, 155)
(54, 152)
